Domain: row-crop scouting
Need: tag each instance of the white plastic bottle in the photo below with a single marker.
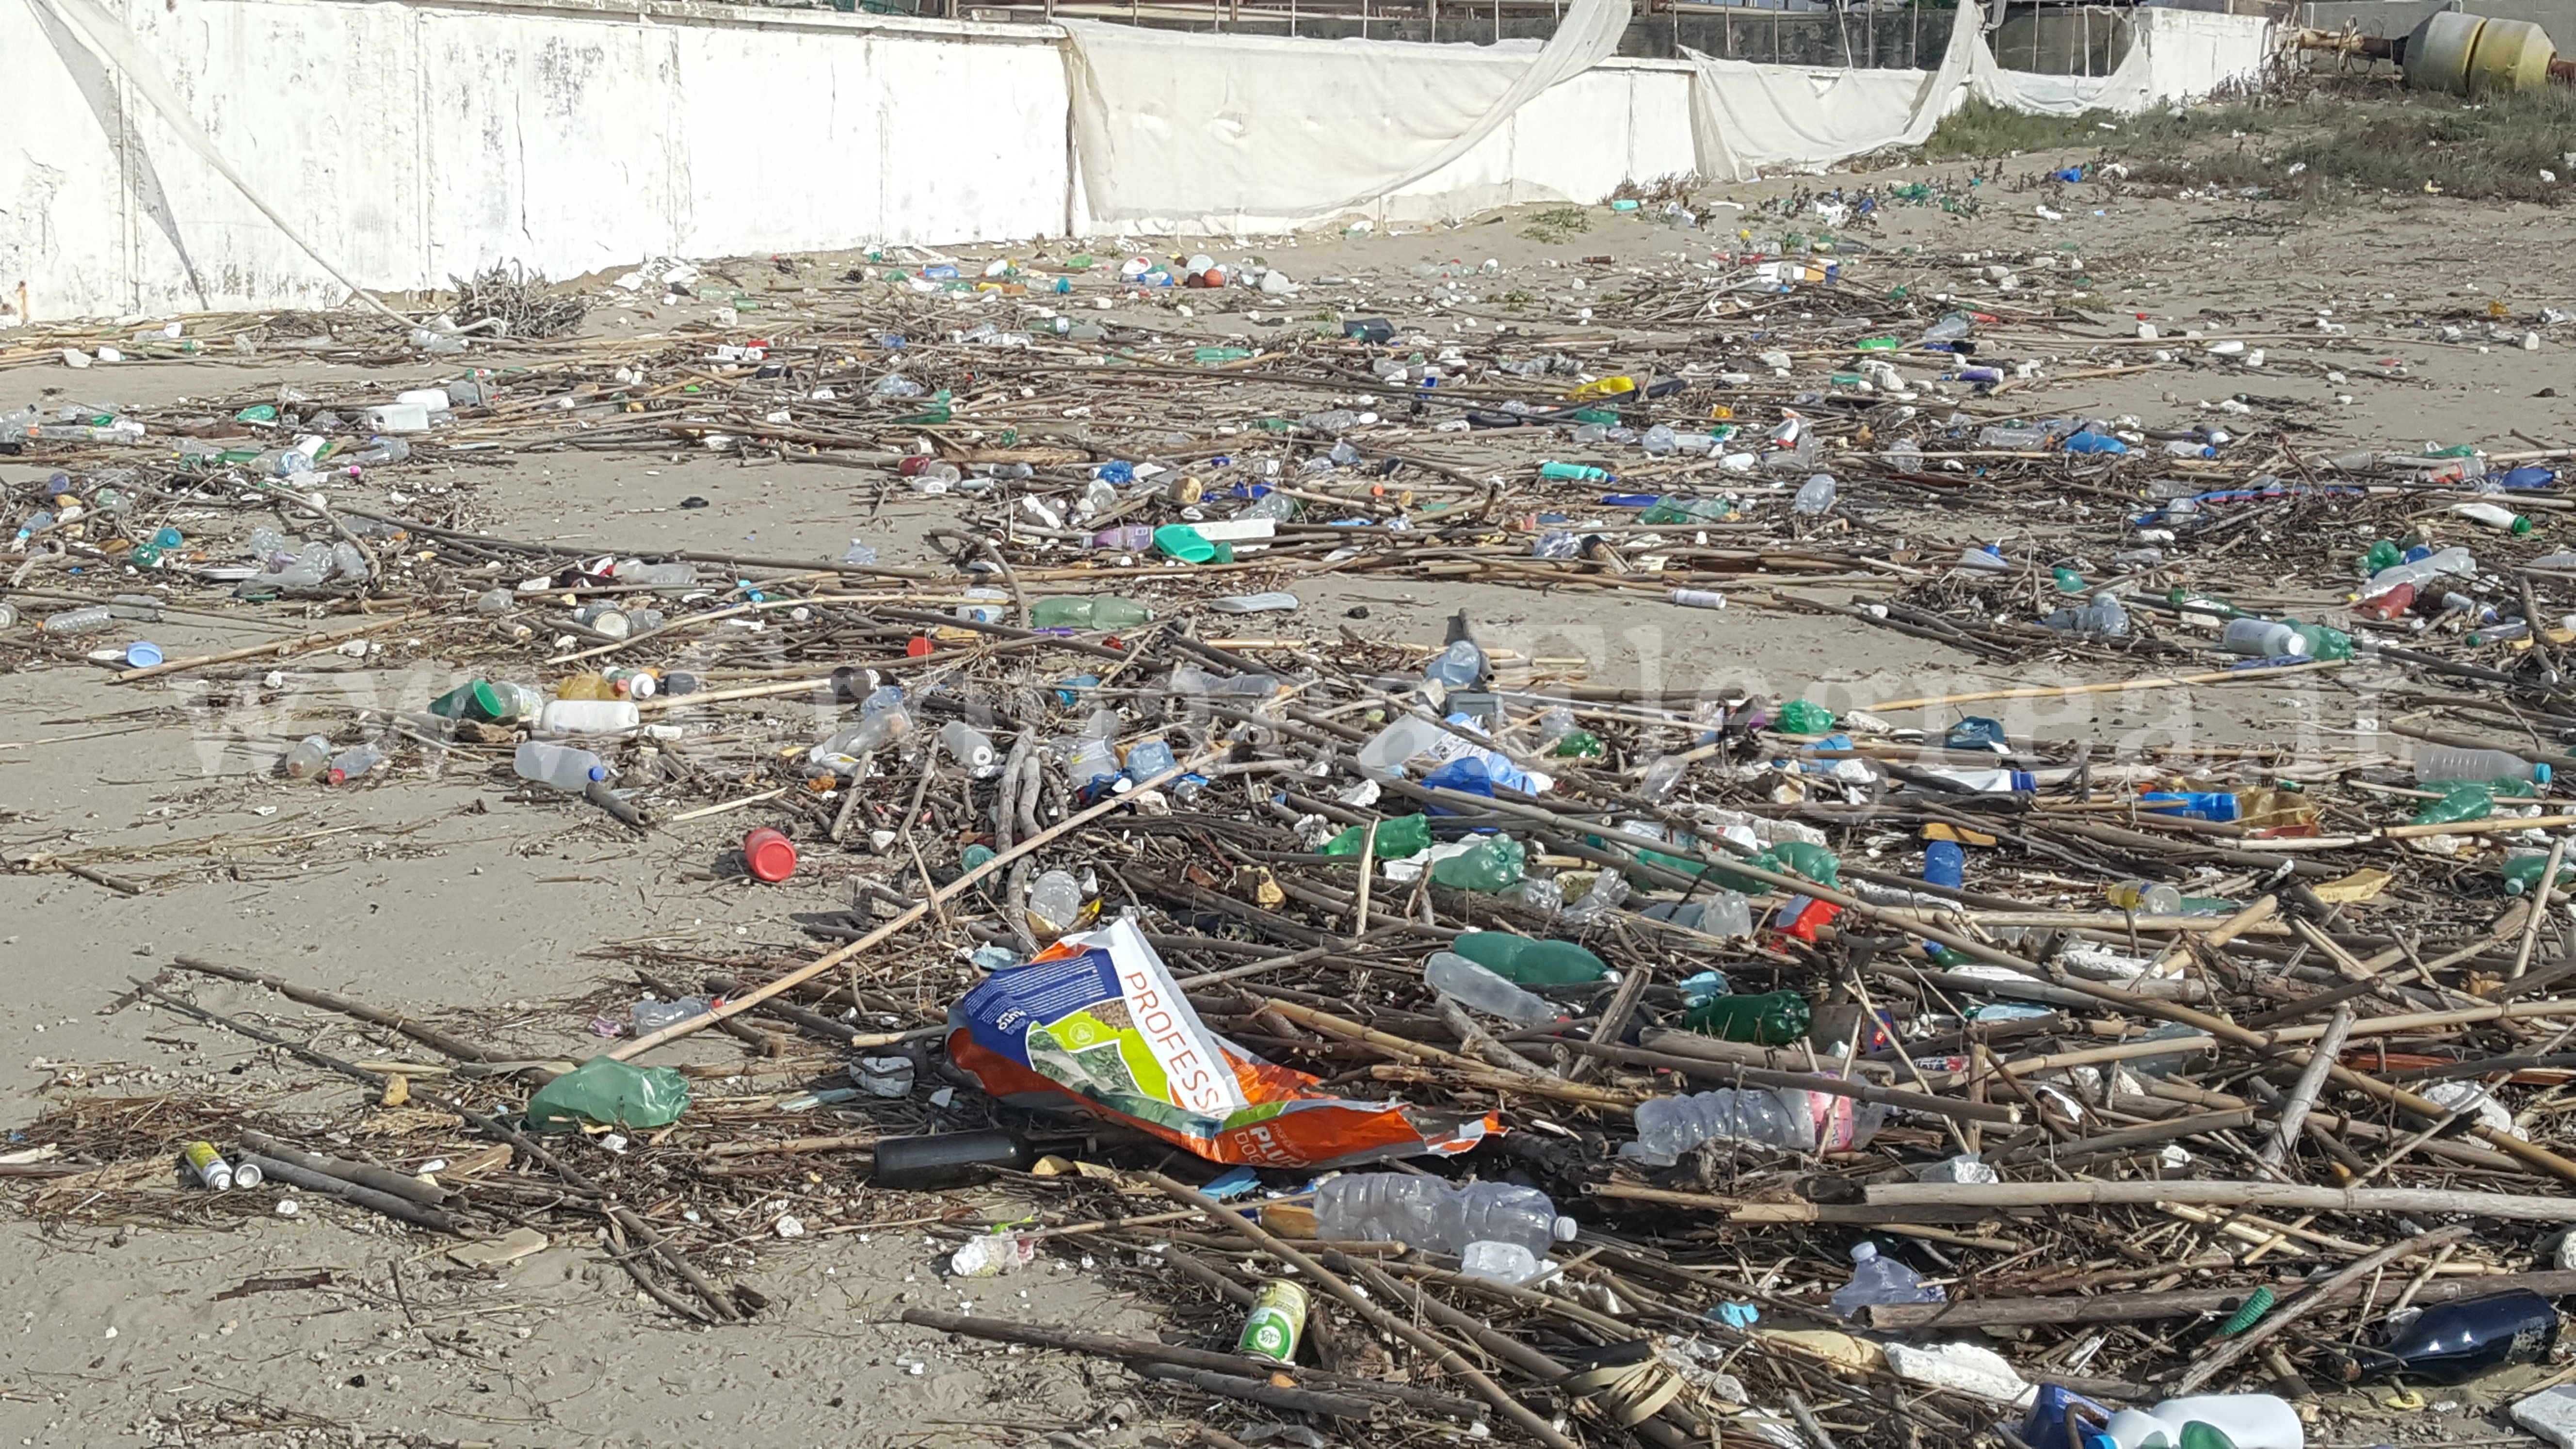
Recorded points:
(2493, 516)
(561, 766)
(1471, 985)
(2437, 763)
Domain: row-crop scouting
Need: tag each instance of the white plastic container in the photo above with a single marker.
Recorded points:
(398, 418)
(589, 717)
(561, 766)
(2250, 1421)
(427, 399)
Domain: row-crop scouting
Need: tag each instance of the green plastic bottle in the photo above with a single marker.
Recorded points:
(1572, 473)
(2323, 642)
(2382, 555)
(1099, 611)
(1401, 838)
(1774, 1018)
(2068, 580)
(1491, 865)
(1803, 717)
(2462, 800)
(2199, 603)
(1808, 862)
(1524, 961)
(604, 1089)
(2522, 870)
(1578, 745)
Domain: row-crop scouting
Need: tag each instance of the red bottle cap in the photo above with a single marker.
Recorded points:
(918, 647)
(769, 855)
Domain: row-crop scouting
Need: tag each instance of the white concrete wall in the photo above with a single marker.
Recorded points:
(419, 141)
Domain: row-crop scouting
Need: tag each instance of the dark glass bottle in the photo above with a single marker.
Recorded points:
(2452, 1343)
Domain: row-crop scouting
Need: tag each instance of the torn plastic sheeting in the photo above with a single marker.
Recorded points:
(1216, 133)
(1096, 1023)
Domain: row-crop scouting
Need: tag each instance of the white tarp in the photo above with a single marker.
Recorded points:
(1212, 133)
(1747, 117)
(2173, 55)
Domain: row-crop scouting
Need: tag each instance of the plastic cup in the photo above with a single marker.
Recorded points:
(142, 654)
(769, 855)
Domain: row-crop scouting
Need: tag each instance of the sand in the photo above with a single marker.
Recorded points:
(432, 891)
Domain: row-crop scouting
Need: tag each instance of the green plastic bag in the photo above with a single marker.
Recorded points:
(1803, 717)
(607, 1090)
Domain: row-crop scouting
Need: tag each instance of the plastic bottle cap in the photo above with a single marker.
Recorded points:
(1863, 1251)
(2540, 774)
(143, 654)
(1565, 1229)
(769, 855)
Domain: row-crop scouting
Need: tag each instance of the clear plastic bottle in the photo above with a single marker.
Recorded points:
(1506, 1263)
(380, 449)
(1876, 1280)
(307, 758)
(1055, 903)
(967, 745)
(2438, 763)
(87, 619)
(1814, 496)
(1149, 757)
(660, 575)
(1436, 1216)
(2019, 440)
(1667, 1127)
(2261, 639)
(1471, 985)
(1459, 666)
(2104, 618)
(561, 766)
(2421, 571)
(651, 1015)
(349, 764)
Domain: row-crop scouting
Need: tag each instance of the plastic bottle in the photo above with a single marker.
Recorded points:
(1876, 1280)
(307, 758)
(1473, 986)
(1773, 1018)
(2207, 1421)
(2461, 800)
(1506, 1263)
(2452, 1343)
(1491, 865)
(1094, 612)
(2493, 516)
(1055, 903)
(2419, 571)
(1400, 838)
(1402, 739)
(2439, 763)
(2104, 618)
(561, 766)
(1572, 473)
(88, 619)
(1668, 1127)
(351, 763)
(2262, 639)
(1147, 758)
(1435, 1216)
(651, 1015)
(1814, 496)
(2090, 442)
(1527, 961)
(2012, 439)
(2522, 870)
(967, 745)
(1459, 666)
(2146, 898)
